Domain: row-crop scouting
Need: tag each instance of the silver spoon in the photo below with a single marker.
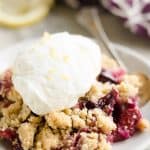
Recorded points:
(90, 19)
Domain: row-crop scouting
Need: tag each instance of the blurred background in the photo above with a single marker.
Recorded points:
(126, 22)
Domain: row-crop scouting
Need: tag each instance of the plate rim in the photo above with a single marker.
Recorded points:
(129, 51)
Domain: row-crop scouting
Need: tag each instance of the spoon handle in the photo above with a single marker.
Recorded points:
(90, 19)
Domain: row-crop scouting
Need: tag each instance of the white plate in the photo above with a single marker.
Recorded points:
(133, 60)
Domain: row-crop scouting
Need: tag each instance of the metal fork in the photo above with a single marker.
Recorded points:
(90, 20)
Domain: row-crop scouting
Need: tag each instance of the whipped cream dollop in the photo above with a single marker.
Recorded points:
(56, 71)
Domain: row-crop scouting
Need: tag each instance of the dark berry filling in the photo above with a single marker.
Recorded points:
(4, 103)
(6, 82)
(126, 125)
(12, 137)
(125, 114)
(105, 103)
(113, 76)
(108, 102)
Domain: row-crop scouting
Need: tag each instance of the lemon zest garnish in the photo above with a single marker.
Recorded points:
(66, 59)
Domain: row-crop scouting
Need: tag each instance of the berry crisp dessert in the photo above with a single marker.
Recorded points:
(108, 112)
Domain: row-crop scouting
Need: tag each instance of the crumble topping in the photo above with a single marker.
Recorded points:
(107, 113)
(58, 120)
(46, 139)
(142, 82)
(26, 133)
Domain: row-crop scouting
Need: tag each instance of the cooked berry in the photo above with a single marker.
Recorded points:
(126, 124)
(11, 136)
(107, 102)
(113, 76)
(117, 112)
(8, 134)
(90, 105)
(6, 83)
(5, 103)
